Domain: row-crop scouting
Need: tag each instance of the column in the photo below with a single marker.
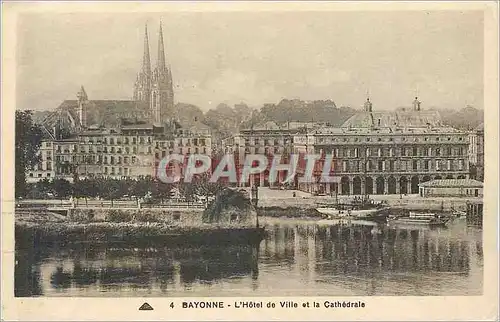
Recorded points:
(351, 186)
(363, 186)
(398, 185)
(386, 186)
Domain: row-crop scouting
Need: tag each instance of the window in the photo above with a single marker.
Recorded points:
(438, 151)
(438, 166)
(368, 165)
(391, 152)
(356, 153)
(391, 165)
(426, 165)
(379, 152)
(415, 165)
(380, 165)
(367, 152)
(415, 151)
(176, 217)
(344, 166)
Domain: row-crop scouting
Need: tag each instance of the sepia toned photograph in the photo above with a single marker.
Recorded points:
(278, 153)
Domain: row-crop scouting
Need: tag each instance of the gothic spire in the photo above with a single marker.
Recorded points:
(146, 61)
(161, 51)
(82, 95)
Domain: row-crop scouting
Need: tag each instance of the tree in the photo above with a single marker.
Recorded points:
(28, 138)
(187, 190)
(62, 188)
(161, 191)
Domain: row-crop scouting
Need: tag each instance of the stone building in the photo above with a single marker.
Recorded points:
(128, 151)
(476, 152)
(153, 100)
(452, 188)
(374, 152)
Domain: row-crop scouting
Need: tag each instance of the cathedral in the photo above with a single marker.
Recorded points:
(153, 99)
(154, 87)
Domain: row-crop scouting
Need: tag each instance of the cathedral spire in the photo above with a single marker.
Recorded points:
(146, 61)
(161, 51)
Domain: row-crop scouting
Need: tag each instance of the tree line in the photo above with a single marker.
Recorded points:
(147, 189)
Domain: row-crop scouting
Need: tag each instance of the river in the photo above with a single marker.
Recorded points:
(297, 258)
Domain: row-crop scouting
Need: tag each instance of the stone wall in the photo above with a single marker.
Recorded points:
(229, 217)
(184, 217)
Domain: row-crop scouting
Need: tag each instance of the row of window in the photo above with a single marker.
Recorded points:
(163, 144)
(267, 142)
(118, 140)
(391, 165)
(127, 150)
(404, 151)
(263, 150)
(322, 140)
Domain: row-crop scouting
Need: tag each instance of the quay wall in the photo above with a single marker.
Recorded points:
(406, 202)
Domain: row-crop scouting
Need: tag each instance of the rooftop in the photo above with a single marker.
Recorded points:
(453, 183)
(400, 118)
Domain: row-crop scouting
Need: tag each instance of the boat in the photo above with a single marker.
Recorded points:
(426, 219)
(334, 212)
(349, 221)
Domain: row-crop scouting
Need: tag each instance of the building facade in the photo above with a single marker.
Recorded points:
(476, 152)
(373, 152)
(130, 151)
(465, 188)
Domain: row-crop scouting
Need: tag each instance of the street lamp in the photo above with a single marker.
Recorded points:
(255, 195)
(255, 199)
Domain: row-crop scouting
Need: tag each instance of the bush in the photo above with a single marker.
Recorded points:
(147, 216)
(118, 216)
(82, 215)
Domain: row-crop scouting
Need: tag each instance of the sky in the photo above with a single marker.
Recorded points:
(257, 57)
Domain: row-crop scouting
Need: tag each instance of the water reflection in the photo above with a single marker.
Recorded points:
(294, 259)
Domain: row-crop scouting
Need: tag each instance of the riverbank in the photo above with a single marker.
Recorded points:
(137, 226)
(290, 212)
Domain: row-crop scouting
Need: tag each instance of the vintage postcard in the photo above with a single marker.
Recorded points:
(250, 161)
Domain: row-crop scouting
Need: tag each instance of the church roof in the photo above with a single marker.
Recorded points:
(401, 119)
(106, 113)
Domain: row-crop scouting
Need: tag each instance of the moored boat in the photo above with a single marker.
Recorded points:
(333, 212)
(426, 219)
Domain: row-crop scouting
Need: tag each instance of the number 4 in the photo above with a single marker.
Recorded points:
(172, 305)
